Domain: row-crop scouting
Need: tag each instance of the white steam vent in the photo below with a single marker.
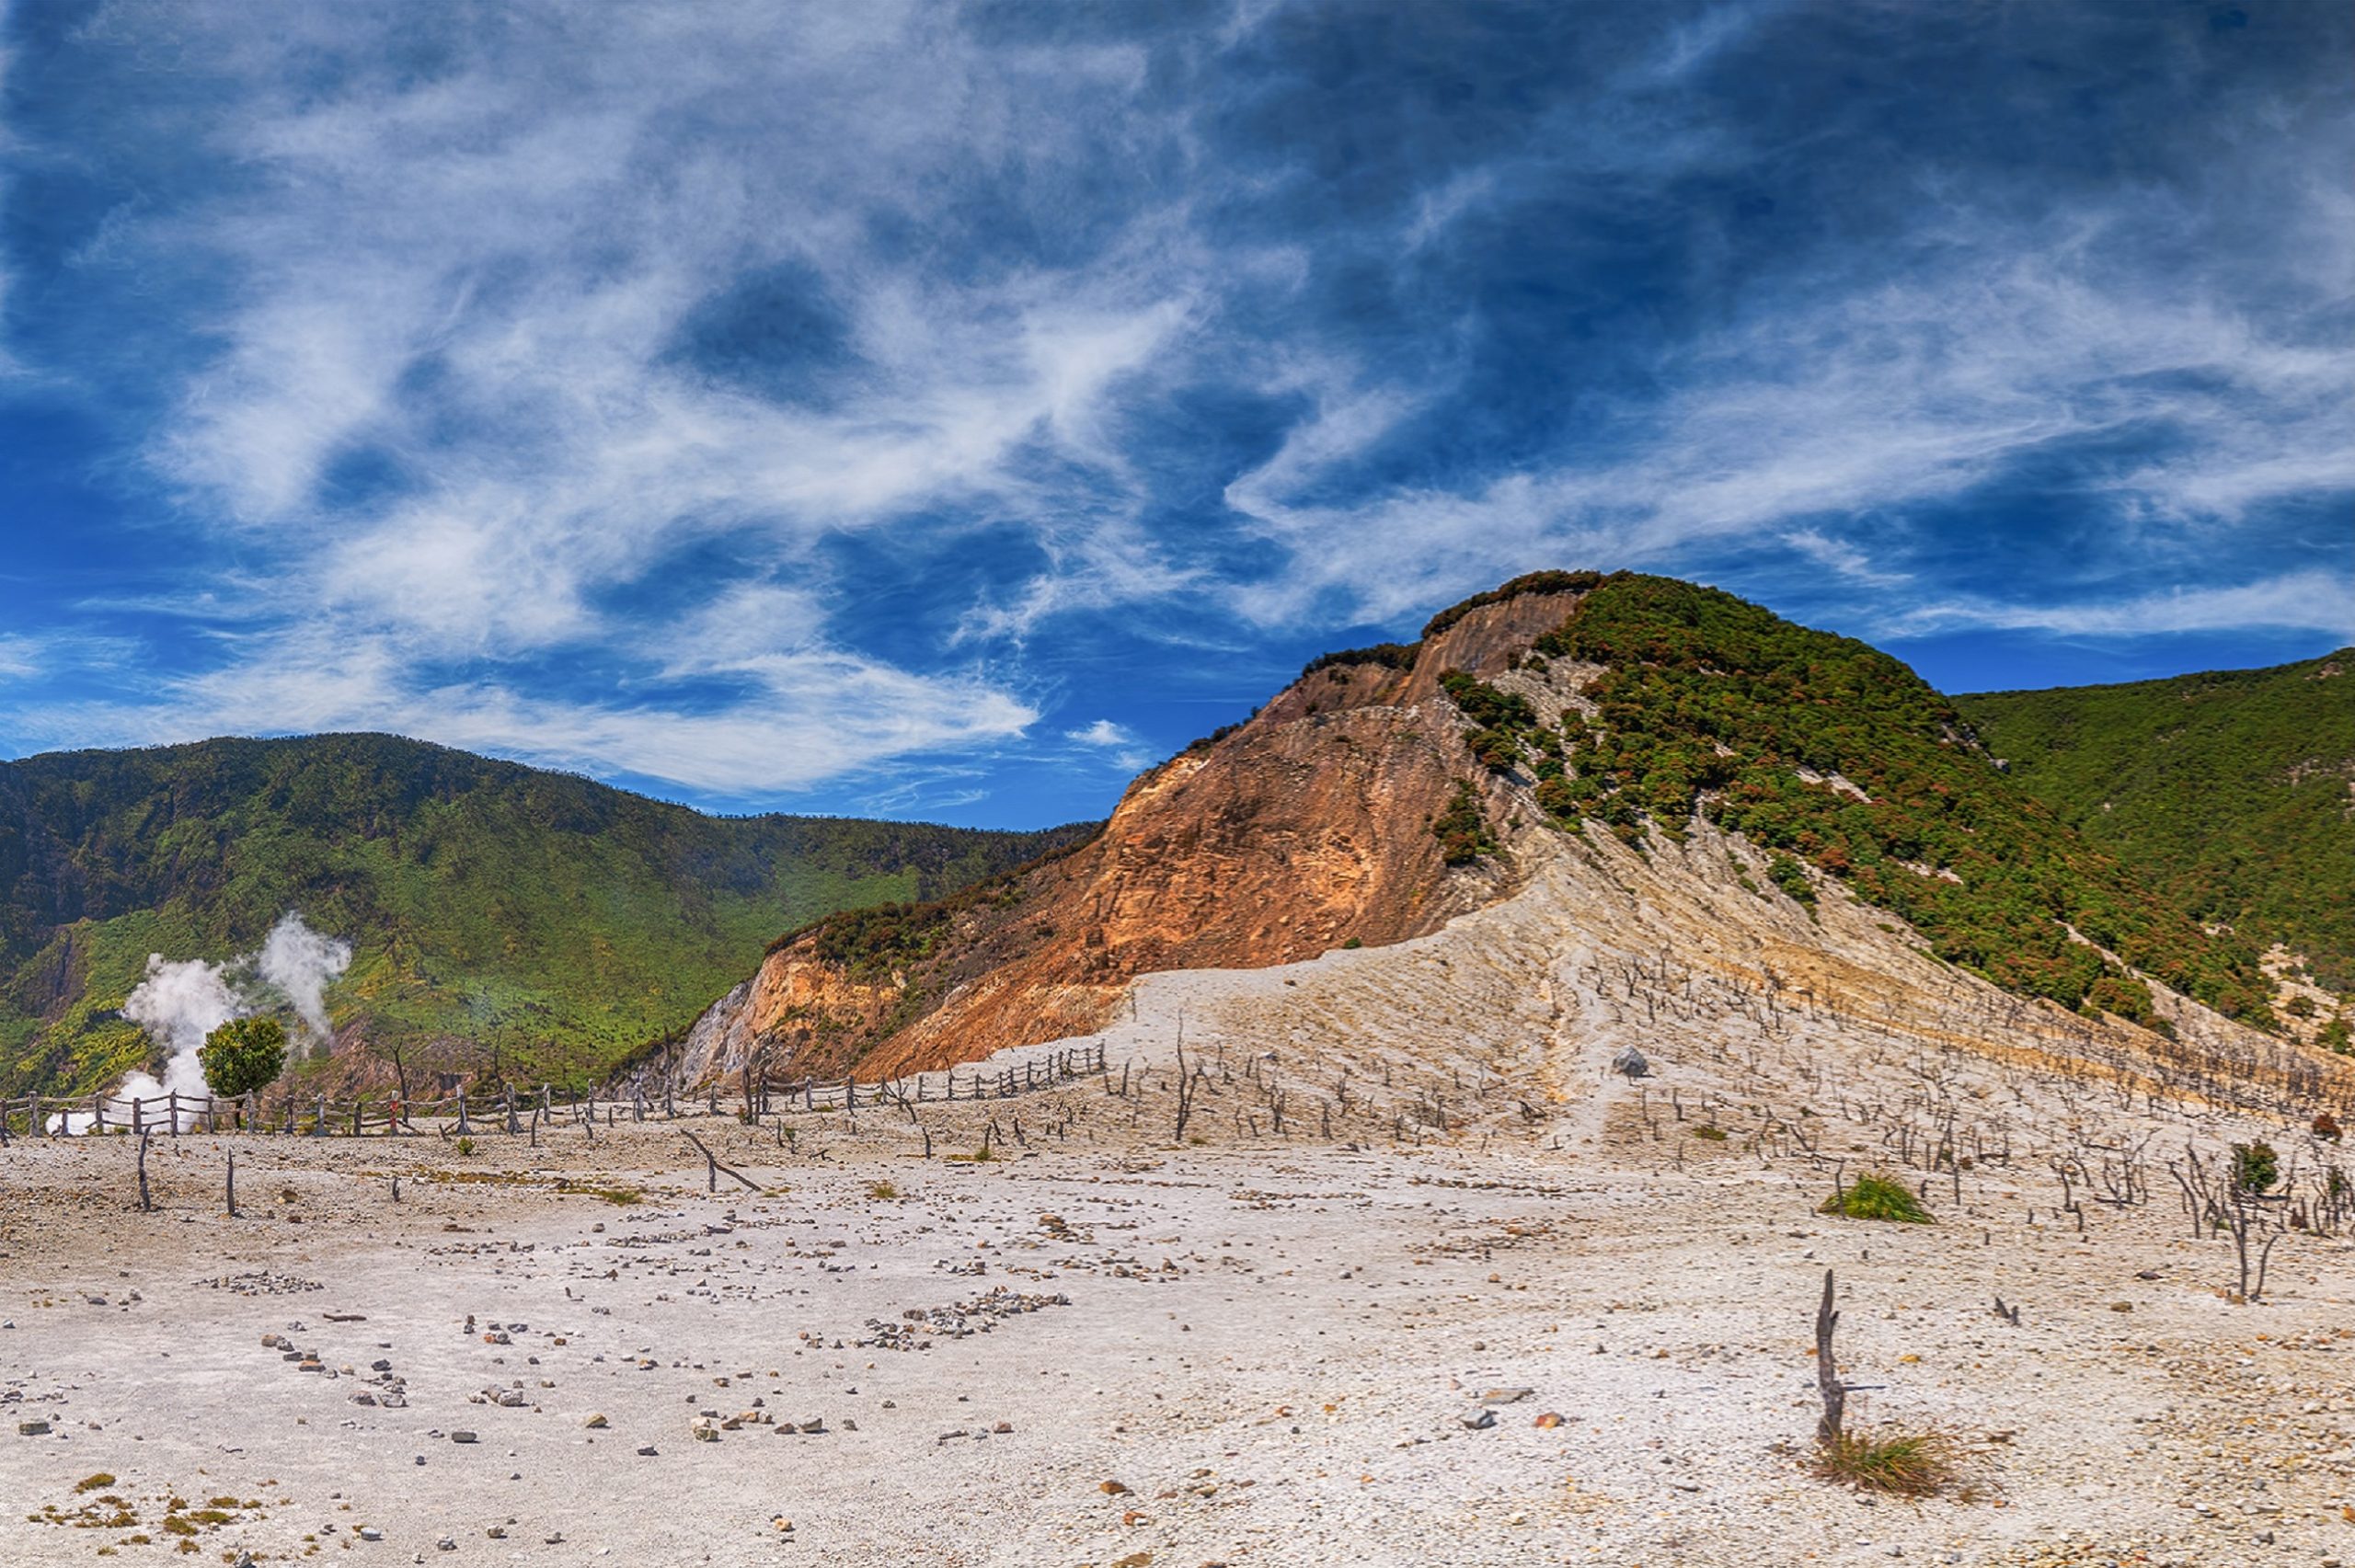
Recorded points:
(182, 1000)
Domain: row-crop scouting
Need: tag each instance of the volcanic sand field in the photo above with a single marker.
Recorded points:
(1241, 1347)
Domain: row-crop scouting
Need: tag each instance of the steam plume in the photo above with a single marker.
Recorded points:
(300, 963)
(182, 1000)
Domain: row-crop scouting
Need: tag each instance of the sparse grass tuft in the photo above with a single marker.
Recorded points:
(465, 1148)
(1873, 1197)
(882, 1192)
(1714, 1134)
(1914, 1464)
(94, 1482)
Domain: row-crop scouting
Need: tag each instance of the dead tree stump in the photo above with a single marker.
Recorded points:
(1827, 1370)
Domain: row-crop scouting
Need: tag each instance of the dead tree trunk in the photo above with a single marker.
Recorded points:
(716, 1169)
(1827, 1371)
(146, 1203)
(1185, 1095)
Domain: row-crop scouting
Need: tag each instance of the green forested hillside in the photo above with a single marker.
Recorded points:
(1824, 750)
(496, 911)
(2233, 792)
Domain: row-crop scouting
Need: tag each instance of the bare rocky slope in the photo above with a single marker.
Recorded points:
(1305, 829)
(1521, 766)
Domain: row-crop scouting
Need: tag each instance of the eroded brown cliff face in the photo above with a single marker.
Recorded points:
(1305, 828)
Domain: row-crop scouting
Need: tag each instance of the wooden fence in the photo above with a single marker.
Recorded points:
(515, 1110)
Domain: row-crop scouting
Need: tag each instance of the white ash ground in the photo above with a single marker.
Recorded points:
(1273, 1350)
(1272, 1345)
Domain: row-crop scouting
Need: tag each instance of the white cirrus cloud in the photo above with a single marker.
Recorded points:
(2314, 600)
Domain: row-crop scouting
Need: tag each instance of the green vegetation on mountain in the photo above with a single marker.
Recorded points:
(1527, 582)
(1463, 832)
(2233, 793)
(535, 924)
(1821, 749)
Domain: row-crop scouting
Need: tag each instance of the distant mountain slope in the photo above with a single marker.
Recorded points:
(1391, 788)
(493, 908)
(2233, 792)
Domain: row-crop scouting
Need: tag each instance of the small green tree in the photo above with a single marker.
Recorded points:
(242, 1054)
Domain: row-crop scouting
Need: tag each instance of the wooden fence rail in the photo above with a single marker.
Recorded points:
(519, 1111)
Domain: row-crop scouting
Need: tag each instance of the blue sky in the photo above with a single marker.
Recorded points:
(944, 410)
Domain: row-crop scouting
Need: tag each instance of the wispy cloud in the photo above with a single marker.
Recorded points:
(2315, 600)
(1120, 745)
(1825, 416)
(19, 659)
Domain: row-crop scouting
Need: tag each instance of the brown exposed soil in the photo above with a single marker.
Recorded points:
(1305, 829)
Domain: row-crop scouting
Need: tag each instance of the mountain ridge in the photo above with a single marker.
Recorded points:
(545, 919)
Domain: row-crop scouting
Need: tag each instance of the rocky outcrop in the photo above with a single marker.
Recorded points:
(1305, 828)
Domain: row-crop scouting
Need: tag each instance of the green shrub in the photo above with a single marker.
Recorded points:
(2127, 997)
(1462, 830)
(1385, 656)
(466, 1148)
(1791, 877)
(1872, 1196)
(2255, 1166)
